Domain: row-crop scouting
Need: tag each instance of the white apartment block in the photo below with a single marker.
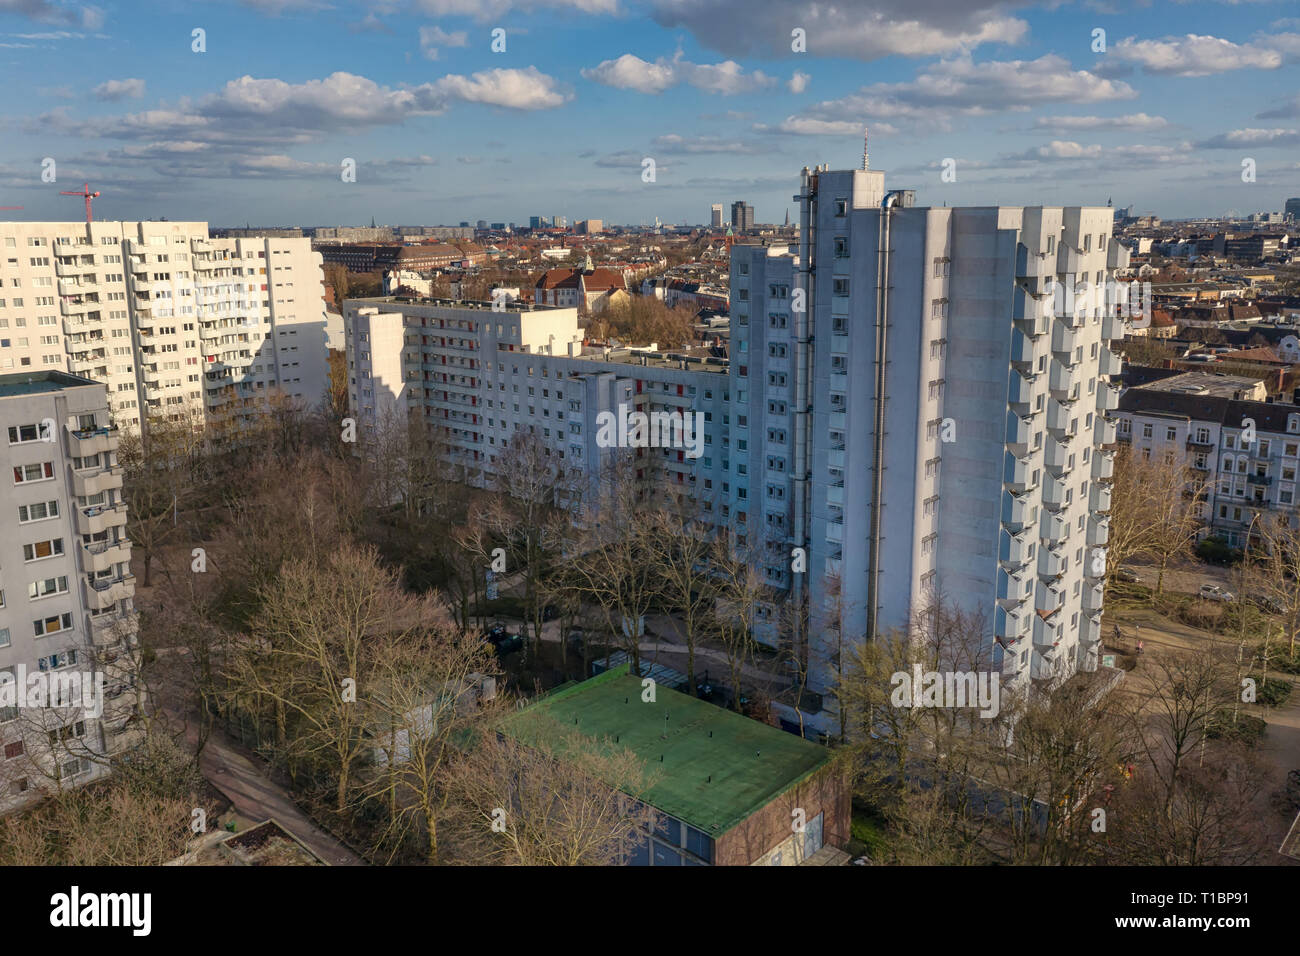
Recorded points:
(169, 319)
(476, 376)
(66, 590)
(936, 415)
(1246, 452)
(917, 398)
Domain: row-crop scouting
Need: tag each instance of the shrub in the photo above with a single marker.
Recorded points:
(1216, 550)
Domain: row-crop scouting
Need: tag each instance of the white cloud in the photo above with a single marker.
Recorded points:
(1252, 137)
(432, 38)
(1193, 55)
(675, 143)
(485, 10)
(861, 29)
(798, 82)
(113, 90)
(629, 72)
(46, 11)
(1131, 121)
(962, 87)
(526, 89)
(1056, 150)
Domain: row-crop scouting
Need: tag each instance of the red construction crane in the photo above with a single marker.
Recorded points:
(11, 207)
(85, 194)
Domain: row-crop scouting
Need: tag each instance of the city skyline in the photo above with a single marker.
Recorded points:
(256, 128)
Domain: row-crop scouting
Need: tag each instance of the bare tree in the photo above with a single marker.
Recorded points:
(557, 799)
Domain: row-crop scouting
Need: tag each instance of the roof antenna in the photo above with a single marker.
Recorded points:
(865, 164)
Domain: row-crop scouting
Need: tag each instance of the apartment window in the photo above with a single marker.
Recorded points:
(53, 625)
(941, 268)
(19, 434)
(28, 473)
(47, 587)
(841, 208)
(840, 287)
(841, 247)
(38, 511)
(43, 549)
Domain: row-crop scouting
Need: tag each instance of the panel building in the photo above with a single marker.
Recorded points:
(169, 319)
(917, 398)
(68, 691)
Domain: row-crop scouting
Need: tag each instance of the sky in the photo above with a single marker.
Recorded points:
(458, 110)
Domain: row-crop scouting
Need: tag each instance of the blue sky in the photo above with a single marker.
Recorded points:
(443, 129)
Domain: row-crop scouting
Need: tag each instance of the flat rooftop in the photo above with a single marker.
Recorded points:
(477, 304)
(1205, 384)
(35, 383)
(709, 767)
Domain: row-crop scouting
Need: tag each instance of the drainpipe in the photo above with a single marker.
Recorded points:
(878, 403)
(803, 389)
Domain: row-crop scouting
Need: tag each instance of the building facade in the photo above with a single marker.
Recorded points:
(1246, 452)
(67, 618)
(917, 405)
(168, 319)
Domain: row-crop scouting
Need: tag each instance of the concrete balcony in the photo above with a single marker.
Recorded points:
(1064, 339)
(1106, 431)
(106, 592)
(835, 495)
(1107, 397)
(1020, 434)
(1022, 346)
(1059, 418)
(68, 270)
(1013, 549)
(1049, 599)
(1095, 565)
(85, 442)
(73, 287)
(1018, 474)
(1053, 529)
(1113, 328)
(85, 483)
(99, 519)
(113, 630)
(1092, 598)
(1018, 511)
(1064, 382)
(1056, 455)
(1069, 261)
(1090, 631)
(1117, 255)
(104, 554)
(1053, 493)
(1111, 364)
(1098, 531)
(1099, 498)
(1015, 585)
(1020, 393)
(1011, 625)
(1033, 312)
(1103, 465)
(1031, 263)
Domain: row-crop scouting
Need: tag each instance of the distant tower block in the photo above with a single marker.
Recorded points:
(865, 163)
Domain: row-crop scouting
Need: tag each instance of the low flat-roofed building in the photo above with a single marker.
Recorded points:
(728, 790)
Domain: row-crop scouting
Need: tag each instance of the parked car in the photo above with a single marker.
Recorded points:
(495, 632)
(1125, 574)
(1212, 592)
(550, 612)
(509, 644)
